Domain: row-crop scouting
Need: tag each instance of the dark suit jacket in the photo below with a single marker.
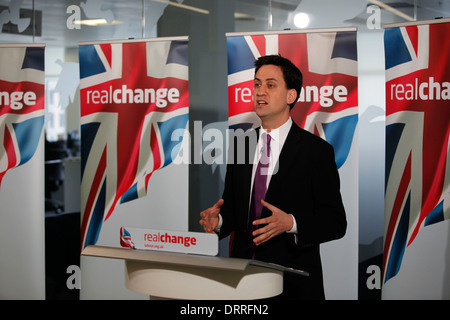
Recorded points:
(307, 186)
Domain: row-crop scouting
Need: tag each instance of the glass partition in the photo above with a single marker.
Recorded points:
(61, 25)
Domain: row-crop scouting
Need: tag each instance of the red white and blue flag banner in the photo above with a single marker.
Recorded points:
(327, 106)
(22, 245)
(21, 105)
(417, 135)
(134, 96)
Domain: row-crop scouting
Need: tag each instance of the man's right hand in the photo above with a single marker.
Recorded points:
(210, 217)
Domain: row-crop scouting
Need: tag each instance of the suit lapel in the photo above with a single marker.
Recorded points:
(247, 173)
(285, 161)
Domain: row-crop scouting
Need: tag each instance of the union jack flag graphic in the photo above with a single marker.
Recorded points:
(134, 95)
(417, 135)
(328, 104)
(21, 104)
(125, 239)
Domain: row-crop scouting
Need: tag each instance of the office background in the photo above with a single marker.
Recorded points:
(206, 23)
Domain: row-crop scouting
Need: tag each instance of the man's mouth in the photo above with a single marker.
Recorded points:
(261, 102)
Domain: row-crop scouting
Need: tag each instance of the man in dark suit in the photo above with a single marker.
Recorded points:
(302, 205)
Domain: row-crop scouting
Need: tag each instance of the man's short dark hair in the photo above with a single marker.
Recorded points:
(291, 74)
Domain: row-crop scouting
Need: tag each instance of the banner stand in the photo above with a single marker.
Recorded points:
(195, 277)
(328, 60)
(134, 95)
(22, 198)
(417, 167)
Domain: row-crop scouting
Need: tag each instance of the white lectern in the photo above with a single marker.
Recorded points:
(195, 277)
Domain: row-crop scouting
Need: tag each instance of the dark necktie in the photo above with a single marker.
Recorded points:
(259, 186)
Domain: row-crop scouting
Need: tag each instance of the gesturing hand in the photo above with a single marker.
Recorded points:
(210, 217)
(276, 224)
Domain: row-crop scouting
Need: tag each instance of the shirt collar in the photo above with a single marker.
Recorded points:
(279, 134)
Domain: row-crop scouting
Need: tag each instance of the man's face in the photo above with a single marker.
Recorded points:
(271, 98)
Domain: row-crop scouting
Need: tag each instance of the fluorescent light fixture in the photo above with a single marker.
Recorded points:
(243, 16)
(237, 15)
(103, 22)
(96, 22)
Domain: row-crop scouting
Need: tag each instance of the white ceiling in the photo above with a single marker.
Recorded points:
(250, 15)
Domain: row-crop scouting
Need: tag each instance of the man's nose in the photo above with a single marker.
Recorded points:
(261, 90)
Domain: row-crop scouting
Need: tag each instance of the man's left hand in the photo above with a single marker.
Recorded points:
(276, 224)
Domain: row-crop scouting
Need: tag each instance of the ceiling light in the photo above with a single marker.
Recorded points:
(301, 20)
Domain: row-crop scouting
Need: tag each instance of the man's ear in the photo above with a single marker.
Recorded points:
(292, 94)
